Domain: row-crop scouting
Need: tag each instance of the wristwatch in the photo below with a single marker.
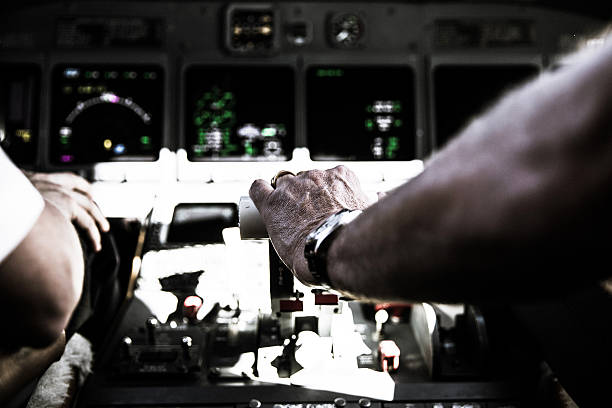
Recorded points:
(319, 241)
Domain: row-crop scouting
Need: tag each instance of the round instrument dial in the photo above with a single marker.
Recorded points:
(346, 30)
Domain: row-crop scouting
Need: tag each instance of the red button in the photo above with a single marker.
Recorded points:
(287, 305)
(326, 299)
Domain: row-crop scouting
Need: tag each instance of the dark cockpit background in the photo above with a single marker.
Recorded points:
(349, 81)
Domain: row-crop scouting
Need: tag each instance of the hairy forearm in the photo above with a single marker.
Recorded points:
(519, 199)
(42, 281)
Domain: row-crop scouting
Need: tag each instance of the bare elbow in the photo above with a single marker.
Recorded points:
(52, 307)
(64, 285)
(43, 280)
(47, 330)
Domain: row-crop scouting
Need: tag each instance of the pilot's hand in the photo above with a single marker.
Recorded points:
(301, 203)
(71, 195)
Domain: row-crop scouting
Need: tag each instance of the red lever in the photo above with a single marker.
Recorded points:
(191, 306)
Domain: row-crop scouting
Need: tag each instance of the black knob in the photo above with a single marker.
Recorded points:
(152, 322)
(254, 403)
(187, 342)
(365, 403)
(340, 402)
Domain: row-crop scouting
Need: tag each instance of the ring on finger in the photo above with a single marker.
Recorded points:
(279, 175)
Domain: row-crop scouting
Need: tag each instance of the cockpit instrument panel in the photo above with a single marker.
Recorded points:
(106, 113)
(361, 112)
(240, 113)
(19, 106)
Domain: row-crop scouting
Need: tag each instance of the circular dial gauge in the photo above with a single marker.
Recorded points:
(108, 97)
(346, 30)
(107, 127)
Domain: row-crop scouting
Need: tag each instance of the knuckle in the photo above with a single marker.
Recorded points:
(89, 205)
(72, 205)
(314, 174)
(346, 172)
(67, 175)
(56, 178)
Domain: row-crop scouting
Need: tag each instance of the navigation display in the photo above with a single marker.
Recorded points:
(241, 113)
(463, 91)
(361, 113)
(106, 113)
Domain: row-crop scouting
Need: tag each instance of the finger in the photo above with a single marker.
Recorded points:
(87, 223)
(70, 181)
(284, 178)
(45, 185)
(92, 209)
(100, 218)
(259, 192)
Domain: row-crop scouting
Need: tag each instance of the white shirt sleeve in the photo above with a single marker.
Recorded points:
(20, 206)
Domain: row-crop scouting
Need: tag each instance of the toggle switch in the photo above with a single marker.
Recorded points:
(186, 343)
(151, 326)
(126, 346)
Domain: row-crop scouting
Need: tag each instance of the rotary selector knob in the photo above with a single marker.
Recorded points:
(254, 403)
(340, 402)
(365, 403)
(346, 30)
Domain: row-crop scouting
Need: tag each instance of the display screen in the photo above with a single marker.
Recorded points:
(106, 113)
(240, 113)
(463, 91)
(19, 105)
(361, 113)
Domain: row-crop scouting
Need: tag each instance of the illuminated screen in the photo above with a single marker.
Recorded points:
(19, 104)
(361, 113)
(462, 91)
(240, 113)
(106, 113)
